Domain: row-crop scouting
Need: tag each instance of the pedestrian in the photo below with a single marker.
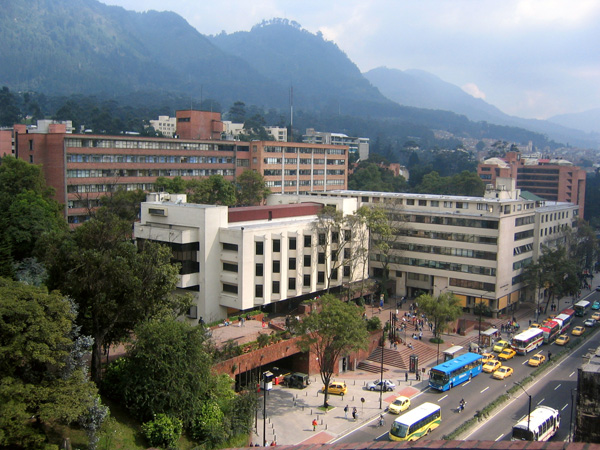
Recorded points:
(346, 411)
(405, 376)
(354, 413)
(314, 424)
(273, 444)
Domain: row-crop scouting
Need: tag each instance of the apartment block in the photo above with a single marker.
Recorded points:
(84, 167)
(552, 179)
(165, 124)
(357, 145)
(476, 247)
(237, 259)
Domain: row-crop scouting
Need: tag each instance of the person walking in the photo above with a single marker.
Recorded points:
(314, 424)
(354, 413)
(346, 411)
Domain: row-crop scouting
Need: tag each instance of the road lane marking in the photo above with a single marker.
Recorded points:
(563, 408)
(572, 373)
(541, 401)
(481, 392)
(526, 361)
(499, 437)
(464, 384)
(557, 387)
(442, 398)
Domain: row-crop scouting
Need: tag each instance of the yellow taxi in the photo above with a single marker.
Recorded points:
(491, 366)
(503, 372)
(336, 387)
(506, 354)
(534, 325)
(399, 404)
(596, 316)
(501, 345)
(563, 339)
(536, 360)
(487, 357)
(578, 331)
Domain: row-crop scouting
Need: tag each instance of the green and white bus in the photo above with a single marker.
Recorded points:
(420, 421)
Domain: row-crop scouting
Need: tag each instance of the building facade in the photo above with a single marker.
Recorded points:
(238, 259)
(476, 247)
(165, 124)
(357, 145)
(552, 179)
(84, 167)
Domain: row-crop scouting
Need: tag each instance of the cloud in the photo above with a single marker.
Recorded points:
(473, 90)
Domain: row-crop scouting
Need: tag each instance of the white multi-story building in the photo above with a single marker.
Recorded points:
(232, 130)
(237, 259)
(357, 145)
(165, 124)
(475, 247)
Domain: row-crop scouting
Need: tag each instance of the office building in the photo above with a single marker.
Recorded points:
(356, 145)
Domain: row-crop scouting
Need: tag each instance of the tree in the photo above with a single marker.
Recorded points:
(440, 310)
(124, 204)
(335, 329)
(27, 209)
(42, 372)
(115, 284)
(251, 188)
(237, 112)
(214, 190)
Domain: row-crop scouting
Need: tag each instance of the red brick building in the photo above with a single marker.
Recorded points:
(84, 167)
(554, 180)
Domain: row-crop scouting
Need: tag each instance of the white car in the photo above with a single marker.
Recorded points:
(377, 385)
(590, 322)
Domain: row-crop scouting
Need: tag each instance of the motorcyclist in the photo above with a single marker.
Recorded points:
(461, 405)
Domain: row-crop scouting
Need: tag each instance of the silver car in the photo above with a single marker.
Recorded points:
(378, 385)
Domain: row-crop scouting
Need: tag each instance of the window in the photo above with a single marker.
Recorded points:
(321, 238)
(292, 284)
(232, 247)
(321, 277)
(276, 245)
(275, 287)
(306, 280)
(306, 260)
(334, 274)
(276, 266)
(435, 203)
(259, 270)
(422, 202)
(292, 243)
(227, 267)
(335, 237)
(231, 288)
(346, 271)
(347, 235)
(308, 240)
(346, 253)
(410, 201)
(258, 290)
(321, 258)
(292, 264)
(259, 248)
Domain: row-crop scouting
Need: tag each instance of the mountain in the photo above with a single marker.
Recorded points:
(588, 121)
(424, 90)
(84, 46)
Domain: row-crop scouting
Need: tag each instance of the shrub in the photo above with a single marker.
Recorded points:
(163, 431)
(208, 426)
(263, 340)
(360, 301)
(112, 382)
(373, 324)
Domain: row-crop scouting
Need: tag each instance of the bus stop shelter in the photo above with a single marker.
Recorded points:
(488, 336)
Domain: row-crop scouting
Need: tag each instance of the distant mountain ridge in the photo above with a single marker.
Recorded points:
(424, 90)
(64, 47)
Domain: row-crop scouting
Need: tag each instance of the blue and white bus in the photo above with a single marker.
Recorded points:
(455, 371)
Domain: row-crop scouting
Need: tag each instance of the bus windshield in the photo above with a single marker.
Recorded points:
(438, 377)
(399, 429)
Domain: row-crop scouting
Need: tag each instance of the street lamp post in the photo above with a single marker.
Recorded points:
(382, 384)
(264, 410)
(529, 408)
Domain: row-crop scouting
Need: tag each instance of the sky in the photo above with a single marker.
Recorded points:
(529, 58)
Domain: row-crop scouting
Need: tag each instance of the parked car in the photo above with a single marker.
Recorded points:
(506, 354)
(578, 331)
(400, 404)
(536, 360)
(500, 345)
(378, 385)
(297, 380)
(589, 322)
(563, 339)
(336, 387)
(598, 288)
(491, 366)
(503, 372)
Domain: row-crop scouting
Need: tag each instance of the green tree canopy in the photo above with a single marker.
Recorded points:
(251, 189)
(213, 190)
(440, 310)
(42, 376)
(335, 329)
(115, 285)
